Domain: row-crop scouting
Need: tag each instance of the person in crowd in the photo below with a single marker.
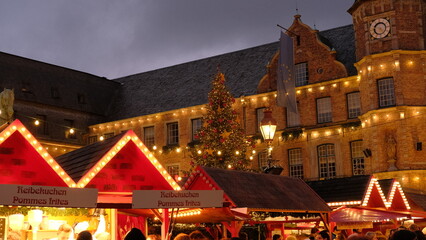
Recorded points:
(420, 235)
(391, 232)
(135, 234)
(84, 235)
(243, 236)
(403, 234)
(371, 236)
(402, 227)
(414, 227)
(276, 237)
(357, 233)
(380, 236)
(182, 236)
(197, 235)
(323, 235)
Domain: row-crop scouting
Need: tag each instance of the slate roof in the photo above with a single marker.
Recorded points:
(35, 81)
(418, 198)
(78, 162)
(342, 39)
(188, 84)
(341, 189)
(266, 191)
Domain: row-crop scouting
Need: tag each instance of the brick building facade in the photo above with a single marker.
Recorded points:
(360, 92)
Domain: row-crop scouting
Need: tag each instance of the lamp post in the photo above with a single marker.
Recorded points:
(268, 126)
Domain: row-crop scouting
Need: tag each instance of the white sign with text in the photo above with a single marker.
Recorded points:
(46, 196)
(177, 199)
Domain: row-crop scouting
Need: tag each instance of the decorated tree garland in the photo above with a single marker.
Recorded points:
(222, 140)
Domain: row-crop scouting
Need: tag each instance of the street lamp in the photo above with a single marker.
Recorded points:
(268, 126)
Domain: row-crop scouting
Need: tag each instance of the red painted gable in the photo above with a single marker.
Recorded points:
(22, 163)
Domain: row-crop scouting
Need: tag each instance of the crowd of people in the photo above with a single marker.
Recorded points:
(413, 232)
(401, 233)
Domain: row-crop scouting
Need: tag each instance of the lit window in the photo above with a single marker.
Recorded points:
(172, 133)
(259, 117)
(358, 165)
(386, 92)
(173, 171)
(196, 125)
(326, 161)
(324, 110)
(295, 162)
(293, 119)
(148, 136)
(301, 72)
(354, 105)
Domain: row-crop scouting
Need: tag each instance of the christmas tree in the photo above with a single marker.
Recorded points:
(223, 143)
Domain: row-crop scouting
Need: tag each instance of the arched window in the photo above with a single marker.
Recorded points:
(326, 161)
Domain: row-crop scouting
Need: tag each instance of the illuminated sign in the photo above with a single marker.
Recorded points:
(177, 199)
(46, 196)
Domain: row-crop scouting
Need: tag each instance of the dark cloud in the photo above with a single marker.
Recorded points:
(118, 38)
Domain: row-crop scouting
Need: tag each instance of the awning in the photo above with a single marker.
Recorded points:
(356, 214)
(214, 215)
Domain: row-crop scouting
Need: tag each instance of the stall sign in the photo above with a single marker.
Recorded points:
(46, 196)
(177, 199)
(354, 225)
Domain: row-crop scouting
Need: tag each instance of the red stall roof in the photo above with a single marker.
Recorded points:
(256, 191)
(25, 161)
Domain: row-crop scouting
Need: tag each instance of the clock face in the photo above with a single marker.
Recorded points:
(380, 28)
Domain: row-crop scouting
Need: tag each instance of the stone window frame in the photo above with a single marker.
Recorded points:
(357, 157)
(262, 158)
(354, 104)
(326, 160)
(324, 110)
(295, 162)
(196, 124)
(386, 92)
(259, 117)
(149, 136)
(301, 74)
(172, 129)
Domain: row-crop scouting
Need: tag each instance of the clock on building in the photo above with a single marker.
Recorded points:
(380, 28)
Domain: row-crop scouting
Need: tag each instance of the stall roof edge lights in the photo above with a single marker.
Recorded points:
(396, 187)
(17, 126)
(374, 184)
(199, 173)
(109, 155)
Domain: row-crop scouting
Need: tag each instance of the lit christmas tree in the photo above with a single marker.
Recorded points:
(223, 143)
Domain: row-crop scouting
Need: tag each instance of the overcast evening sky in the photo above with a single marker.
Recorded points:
(117, 38)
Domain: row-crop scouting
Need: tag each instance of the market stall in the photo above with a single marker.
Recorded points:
(112, 168)
(36, 198)
(365, 202)
(255, 194)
